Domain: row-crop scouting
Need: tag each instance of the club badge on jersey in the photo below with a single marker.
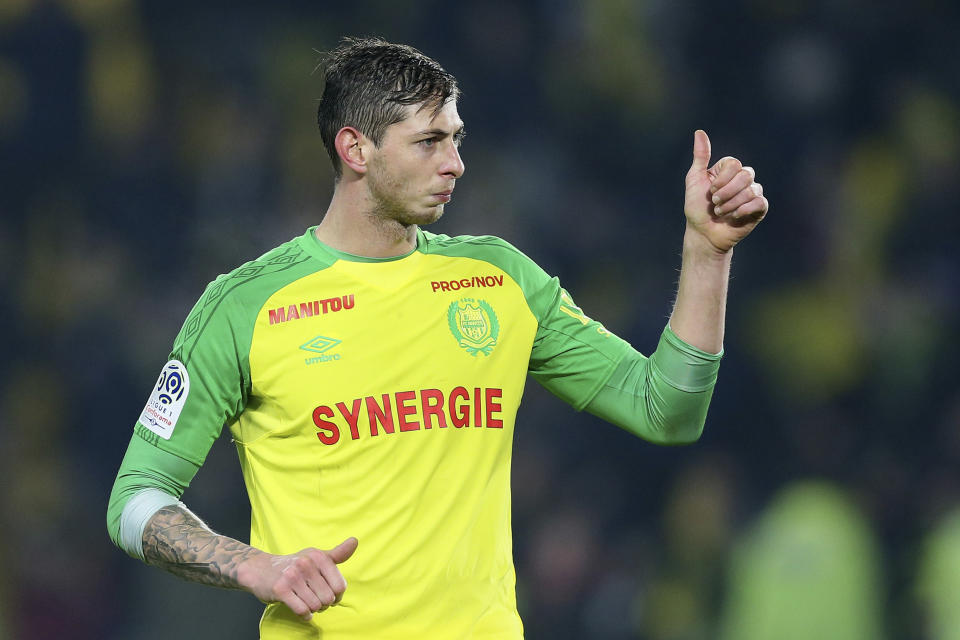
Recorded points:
(166, 400)
(474, 325)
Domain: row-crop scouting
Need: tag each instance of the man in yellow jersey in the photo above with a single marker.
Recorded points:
(370, 374)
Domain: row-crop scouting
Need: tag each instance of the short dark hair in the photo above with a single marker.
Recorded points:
(368, 82)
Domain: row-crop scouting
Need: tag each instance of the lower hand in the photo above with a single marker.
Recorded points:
(307, 581)
(722, 203)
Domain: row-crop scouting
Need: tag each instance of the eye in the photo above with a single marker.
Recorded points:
(429, 142)
(458, 138)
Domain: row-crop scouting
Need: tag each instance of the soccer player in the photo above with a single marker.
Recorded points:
(370, 374)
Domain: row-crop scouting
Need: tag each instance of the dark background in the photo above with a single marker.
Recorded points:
(146, 147)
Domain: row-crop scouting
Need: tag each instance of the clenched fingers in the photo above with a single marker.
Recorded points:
(292, 590)
(723, 171)
(332, 578)
(310, 583)
(318, 582)
(340, 553)
(295, 603)
(749, 212)
(738, 181)
(745, 195)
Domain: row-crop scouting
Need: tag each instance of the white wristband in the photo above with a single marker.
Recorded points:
(137, 513)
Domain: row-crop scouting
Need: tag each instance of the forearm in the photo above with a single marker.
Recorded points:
(700, 307)
(177, 541)
(308, 581)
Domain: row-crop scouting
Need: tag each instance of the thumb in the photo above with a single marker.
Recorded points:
(701, 150)
(344, 550)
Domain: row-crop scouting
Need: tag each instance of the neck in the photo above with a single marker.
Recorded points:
(352, 225)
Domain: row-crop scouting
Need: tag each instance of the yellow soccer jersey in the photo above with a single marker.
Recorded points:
(376, 398)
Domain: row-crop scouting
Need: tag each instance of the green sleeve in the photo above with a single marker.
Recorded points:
(145, 466)
(572, 354)
(212, 353)
(203, 387)
(663, 398)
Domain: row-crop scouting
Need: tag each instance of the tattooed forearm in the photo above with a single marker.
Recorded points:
(179, 542)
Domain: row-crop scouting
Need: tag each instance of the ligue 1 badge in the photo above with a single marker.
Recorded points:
(163, 408)
(474, 325)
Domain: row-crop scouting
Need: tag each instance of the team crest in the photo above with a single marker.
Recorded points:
(474, 325)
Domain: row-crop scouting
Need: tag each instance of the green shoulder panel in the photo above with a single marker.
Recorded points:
(211, 352)
(500, 253)
(572, 355)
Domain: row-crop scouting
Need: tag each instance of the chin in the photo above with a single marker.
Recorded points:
(431, 215)
(435, 214)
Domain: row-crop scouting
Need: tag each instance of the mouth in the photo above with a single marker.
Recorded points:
(443, 196)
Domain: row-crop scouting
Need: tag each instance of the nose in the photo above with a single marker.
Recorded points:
(452, 163)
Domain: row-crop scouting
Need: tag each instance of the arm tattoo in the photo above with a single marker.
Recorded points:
(179, 542)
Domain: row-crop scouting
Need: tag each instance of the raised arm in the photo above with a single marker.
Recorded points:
(722, 204)
(665, 398)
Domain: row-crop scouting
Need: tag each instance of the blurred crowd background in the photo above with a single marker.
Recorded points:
(147, 146)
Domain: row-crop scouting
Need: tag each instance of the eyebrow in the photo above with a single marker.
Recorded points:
(439, 132)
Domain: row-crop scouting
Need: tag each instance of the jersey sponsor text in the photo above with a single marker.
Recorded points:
(467, 283)
(310, 309)
(406, 411)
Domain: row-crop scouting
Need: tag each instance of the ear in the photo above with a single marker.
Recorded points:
(350, 146)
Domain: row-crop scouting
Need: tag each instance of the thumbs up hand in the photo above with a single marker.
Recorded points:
(722, 203)
(307, 581)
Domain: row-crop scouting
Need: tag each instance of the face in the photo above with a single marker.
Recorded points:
(412, 173)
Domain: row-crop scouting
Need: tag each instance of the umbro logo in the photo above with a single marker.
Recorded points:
(321, 345)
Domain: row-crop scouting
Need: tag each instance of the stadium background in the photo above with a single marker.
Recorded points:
(148, 146)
